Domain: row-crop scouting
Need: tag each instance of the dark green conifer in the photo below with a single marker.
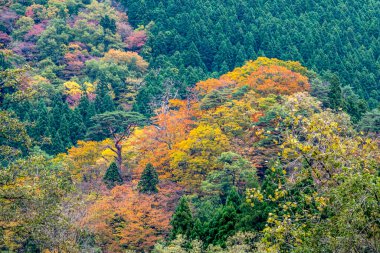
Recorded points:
(56, 145)
(42, 124)
(112, 176)
(83, 108)
(194, 58)
(335, 93)
(64, 132)
(103, 101)
(224, 223)
(149, 180)
(77, 127)
(182, 219)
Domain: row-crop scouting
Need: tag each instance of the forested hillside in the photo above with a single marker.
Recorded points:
(206, 38)
(189, 126)
(74, 58)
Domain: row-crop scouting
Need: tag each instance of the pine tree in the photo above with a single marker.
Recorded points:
(335, 93)
(83, 108)
(149, 180)
(112, 176)
(56, 144)
(224, 223)
(182, 220)
(76, 127)
(103, 101)
(64, 132)
(42, 125)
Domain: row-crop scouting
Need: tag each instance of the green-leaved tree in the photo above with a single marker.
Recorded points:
(149, 180)
(112, 176)
(182, 219)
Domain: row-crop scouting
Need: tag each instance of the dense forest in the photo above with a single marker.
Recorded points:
(203, 38)
(189, 126)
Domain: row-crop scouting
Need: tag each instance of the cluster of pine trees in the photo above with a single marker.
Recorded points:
(192, 40)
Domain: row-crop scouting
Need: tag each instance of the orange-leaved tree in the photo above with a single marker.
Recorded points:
(127, 219)
(277, 80)
(155, 143)
(241, 74)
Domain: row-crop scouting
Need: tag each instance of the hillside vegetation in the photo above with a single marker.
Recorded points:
(114, 139)
(207, 38)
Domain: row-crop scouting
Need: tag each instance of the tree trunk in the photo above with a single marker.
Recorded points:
(119, 161)
(119, 158)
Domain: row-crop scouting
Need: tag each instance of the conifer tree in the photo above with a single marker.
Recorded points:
(194, 57)
(64, 132)
(112, 176)
(83, 108)
(117, 125)
(42, 125)
(149, 180)
(335, 93)
(182, 219)
(197, 233)
(224, 223)
(77, 127)
(56, 144)
(57, 112)
(103, 101)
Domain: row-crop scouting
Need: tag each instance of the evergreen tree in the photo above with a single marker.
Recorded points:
(77, 128)
(103, 101)
(56, 145)
(182, 220)
(370, 122)
(55, 116)
(117, 125)
(64, 132)
(193, 57)
(112, 176)
(353, 105)
(149, 180)
(335, 93)
(224, 223)
(84, 109)
(197, 231)
(42, 125)
(108, 23)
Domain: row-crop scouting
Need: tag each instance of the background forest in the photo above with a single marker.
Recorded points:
(189, 126)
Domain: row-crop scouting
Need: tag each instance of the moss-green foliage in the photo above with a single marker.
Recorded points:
(182, 221)
(112, 176)
(149, 180)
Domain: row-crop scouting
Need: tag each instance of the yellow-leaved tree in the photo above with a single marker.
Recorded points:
(196, 156)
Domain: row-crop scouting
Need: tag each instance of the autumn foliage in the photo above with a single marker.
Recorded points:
(257, 121)
(277, 80)
(130, 58)
(127, 219)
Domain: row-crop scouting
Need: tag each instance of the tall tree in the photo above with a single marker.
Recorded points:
(182, 220)
(335, 93)
(117, 125)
